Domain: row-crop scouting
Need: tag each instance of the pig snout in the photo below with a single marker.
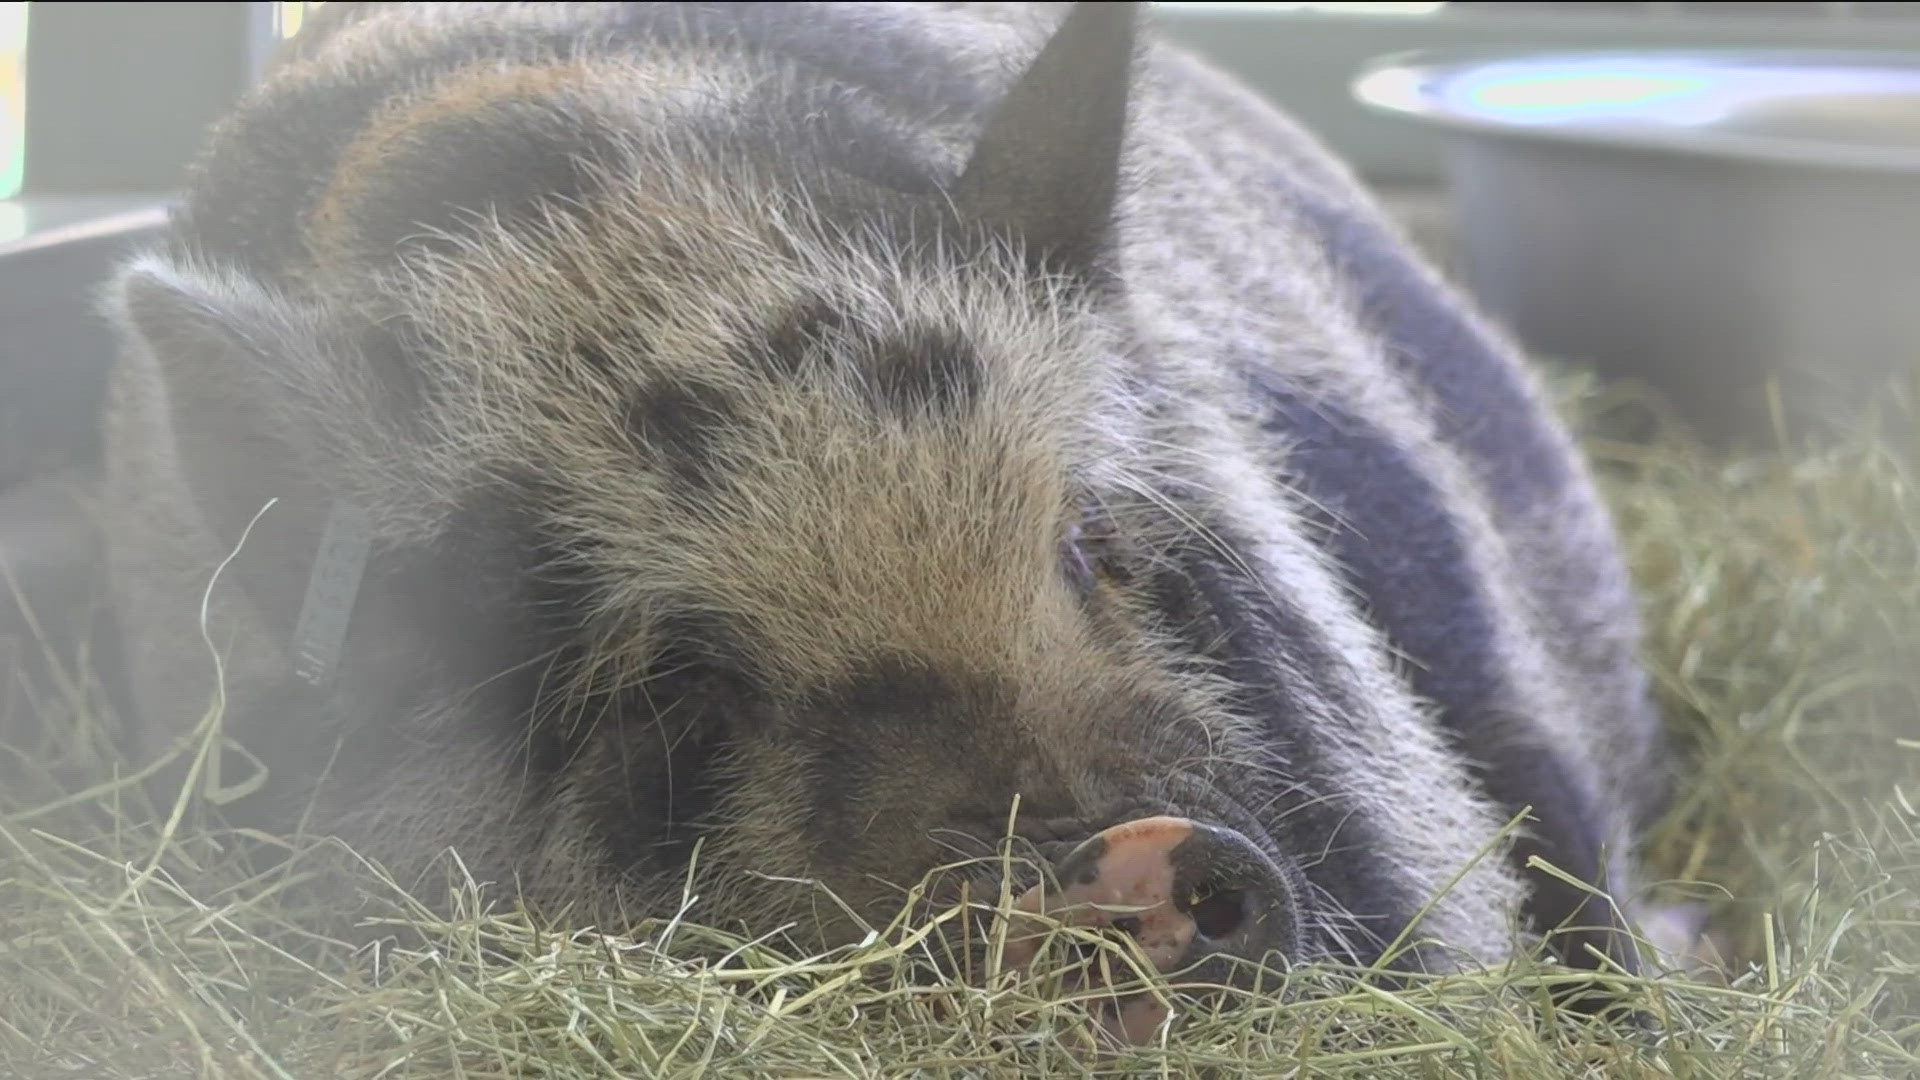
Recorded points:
(1184, 891)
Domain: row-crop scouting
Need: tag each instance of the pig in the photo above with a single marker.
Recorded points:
(757, 451)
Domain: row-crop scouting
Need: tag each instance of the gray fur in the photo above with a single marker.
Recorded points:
(620, 405)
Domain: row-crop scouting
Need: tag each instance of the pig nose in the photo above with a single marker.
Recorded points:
(1183, 890)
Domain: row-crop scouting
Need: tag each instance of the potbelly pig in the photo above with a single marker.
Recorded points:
(760, 452)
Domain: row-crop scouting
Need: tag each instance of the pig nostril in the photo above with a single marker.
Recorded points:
(1218, 913)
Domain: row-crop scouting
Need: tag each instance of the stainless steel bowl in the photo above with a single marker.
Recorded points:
(1705, 221)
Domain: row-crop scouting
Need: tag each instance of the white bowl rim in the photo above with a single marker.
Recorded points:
(1402, 84)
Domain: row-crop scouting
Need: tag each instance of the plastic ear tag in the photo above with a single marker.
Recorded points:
(321, 630)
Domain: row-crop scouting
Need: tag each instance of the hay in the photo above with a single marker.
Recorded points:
(1783, 599)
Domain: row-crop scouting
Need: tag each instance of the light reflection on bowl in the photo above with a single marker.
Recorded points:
(1860, 110)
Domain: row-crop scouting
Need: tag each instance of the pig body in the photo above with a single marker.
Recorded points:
(805, 432)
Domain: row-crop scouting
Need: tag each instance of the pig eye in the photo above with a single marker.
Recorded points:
(1088, 552)
(1076, 558)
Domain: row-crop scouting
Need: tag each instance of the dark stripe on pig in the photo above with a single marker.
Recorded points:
(1397, 542)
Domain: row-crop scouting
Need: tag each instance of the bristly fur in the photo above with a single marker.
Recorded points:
(724, 383)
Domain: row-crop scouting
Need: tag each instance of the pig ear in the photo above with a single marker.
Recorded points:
(238, 367)
(1048, 165)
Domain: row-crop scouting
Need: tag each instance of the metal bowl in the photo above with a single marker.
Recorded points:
(1708, 222)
